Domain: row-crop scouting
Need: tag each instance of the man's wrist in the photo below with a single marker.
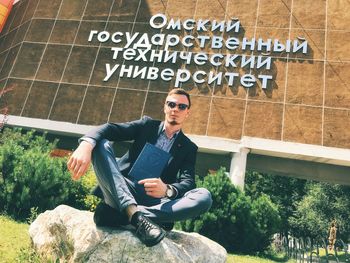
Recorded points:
(86, 146)
(171, 191)
(89, 140)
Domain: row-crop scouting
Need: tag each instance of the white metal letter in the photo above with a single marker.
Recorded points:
(161, 24)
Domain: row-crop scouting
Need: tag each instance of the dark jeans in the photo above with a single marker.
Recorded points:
(119, 192)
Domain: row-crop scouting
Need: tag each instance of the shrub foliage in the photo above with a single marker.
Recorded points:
(234, 220)
(30, 178)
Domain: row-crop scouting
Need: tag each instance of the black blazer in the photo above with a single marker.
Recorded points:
(180, 172)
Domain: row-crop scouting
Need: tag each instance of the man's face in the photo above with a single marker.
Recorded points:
(175, 110)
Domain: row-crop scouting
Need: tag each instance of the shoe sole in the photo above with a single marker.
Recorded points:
(156, 241)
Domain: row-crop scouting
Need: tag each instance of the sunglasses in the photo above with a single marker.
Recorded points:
(173, 105)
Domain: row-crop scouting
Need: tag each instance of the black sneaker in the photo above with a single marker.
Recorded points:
(146, 230)
(168, 226)
(96, 191)
(106, 216)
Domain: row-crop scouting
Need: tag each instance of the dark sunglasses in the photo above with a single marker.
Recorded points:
(180, 106)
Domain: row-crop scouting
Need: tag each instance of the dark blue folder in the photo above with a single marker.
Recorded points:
(150, 163)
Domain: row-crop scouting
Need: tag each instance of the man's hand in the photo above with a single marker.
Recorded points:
(80, 160)
(154, 187)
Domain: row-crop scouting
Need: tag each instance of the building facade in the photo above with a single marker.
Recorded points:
(269, 79)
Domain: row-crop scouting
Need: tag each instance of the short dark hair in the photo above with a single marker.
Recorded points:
(180, 91)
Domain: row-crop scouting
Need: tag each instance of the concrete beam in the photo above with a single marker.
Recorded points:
(300, 169)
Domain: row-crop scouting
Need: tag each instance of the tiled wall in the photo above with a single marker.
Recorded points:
(57, 74)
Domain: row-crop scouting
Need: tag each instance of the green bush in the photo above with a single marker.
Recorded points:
(88, 182)
(234, 221)
(267, 221)
(30, 178)
(284, 191)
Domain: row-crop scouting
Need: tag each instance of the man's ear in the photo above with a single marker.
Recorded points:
(188, 113)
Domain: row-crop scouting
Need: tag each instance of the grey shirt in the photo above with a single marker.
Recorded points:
(163, 142)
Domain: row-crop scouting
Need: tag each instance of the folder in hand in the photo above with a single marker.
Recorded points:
(150, 163)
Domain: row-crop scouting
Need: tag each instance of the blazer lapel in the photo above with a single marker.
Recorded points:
(177, 146)
(155, 134)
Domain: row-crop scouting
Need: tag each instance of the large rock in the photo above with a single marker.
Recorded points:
(71, 234)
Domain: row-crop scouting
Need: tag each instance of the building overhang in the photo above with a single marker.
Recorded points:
(208, 144)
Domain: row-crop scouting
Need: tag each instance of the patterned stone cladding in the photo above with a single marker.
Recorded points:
(55, 73)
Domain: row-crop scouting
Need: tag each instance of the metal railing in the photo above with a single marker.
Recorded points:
(306, 250)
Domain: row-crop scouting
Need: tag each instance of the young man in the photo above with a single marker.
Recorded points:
(172, 197)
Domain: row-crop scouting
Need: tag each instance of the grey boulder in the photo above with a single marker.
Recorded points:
(71, 235)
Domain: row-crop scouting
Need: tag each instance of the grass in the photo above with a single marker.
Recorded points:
(341, 256)
(253, 259)
(14, 237)
(269, 256)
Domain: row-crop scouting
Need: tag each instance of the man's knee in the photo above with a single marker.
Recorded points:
(202, 197)
(206, 199)
(102, 146)
(100, 149)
